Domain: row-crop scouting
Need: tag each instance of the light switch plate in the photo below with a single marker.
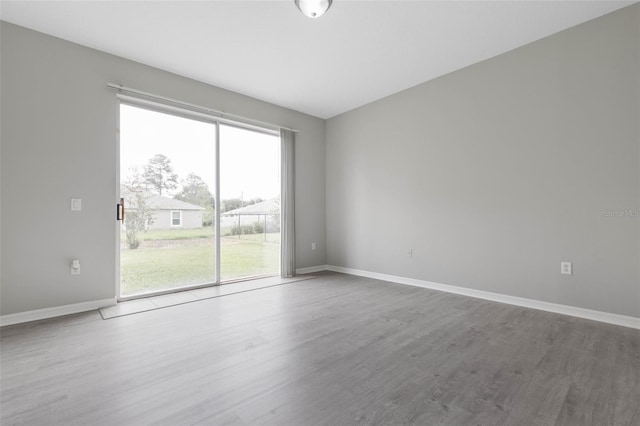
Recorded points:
(76, 204)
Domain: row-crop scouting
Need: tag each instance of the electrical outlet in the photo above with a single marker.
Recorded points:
(75, 267)
(566, 268)
(313, 246)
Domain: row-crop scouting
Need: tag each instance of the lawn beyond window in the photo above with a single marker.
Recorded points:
(172, 258)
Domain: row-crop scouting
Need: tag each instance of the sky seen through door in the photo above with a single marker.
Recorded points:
(172, 136)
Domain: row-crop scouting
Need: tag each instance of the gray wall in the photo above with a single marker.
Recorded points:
(496, 173)
(59, 141)
(492, 174)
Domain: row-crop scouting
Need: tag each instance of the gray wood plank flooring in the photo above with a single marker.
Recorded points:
(334, 350)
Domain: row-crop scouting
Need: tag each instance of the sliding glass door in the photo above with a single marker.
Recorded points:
(250, 208)
(168, 185)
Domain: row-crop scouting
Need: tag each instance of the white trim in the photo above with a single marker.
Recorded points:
(621, 320)
(311, 269)
(606, 317)
(56, 311)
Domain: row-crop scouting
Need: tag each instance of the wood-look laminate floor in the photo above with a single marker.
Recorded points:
(334, 350)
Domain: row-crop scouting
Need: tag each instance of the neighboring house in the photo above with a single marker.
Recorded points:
(248, 215)
(169, 213)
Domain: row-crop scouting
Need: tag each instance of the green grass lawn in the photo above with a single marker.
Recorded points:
(177, 234)
(177, 258)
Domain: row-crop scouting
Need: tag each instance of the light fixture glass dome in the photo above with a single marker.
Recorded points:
(313, 8)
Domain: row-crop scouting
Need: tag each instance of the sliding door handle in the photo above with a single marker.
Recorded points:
(120, 210)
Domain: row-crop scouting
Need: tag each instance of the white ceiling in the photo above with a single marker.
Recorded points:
(359, 51)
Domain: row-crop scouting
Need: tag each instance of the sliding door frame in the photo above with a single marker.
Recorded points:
(217, 204)
(141, 102)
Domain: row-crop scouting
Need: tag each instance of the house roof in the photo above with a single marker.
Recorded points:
(262, 208)
(158, 202)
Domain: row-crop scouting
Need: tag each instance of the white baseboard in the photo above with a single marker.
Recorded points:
(311, 269)
(56, 311)
(622, 320)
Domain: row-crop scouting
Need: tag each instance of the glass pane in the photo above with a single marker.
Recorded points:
(250, 203)
(167, 175)
(176, 219)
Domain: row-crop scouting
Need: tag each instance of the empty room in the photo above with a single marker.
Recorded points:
(317, 212)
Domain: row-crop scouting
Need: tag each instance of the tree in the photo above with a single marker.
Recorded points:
(195, 191)
(158, 174)
(138, 214)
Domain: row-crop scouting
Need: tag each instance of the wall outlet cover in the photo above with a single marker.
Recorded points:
(76, 204)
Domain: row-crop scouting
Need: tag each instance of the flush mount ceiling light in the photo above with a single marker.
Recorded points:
(313, 8)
